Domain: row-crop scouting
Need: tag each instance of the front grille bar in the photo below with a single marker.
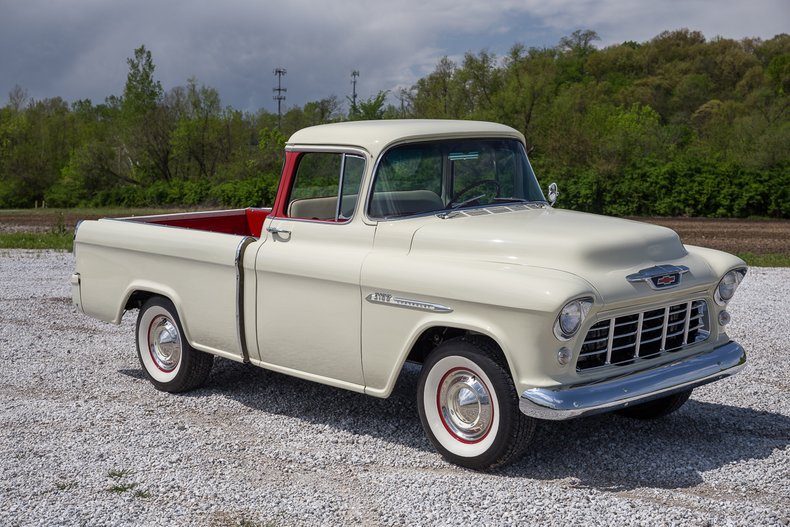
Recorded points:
(639, 334)
(664, 330)
(610, 342)
(650, 333)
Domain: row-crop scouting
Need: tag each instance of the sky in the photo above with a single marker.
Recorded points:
(77, 49)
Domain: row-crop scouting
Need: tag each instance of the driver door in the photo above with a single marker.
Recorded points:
(308, 273)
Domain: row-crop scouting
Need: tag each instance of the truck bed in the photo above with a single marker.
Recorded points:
(240, 222)
(194, 259)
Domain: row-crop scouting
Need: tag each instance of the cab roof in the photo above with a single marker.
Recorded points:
(375, 136)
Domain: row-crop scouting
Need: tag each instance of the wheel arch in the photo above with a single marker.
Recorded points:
(138, 294)
(432, 337)
(427, 338)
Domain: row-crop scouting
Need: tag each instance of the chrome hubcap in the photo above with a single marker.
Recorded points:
(164, 342)
(465, 405)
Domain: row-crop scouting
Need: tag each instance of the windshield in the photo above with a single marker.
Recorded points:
(419, 178)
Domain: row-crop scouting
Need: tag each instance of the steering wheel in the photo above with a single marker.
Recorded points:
(451, 204)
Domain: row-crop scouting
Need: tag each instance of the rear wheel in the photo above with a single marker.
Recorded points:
(468, 406)
(169, 362)
(658, 407)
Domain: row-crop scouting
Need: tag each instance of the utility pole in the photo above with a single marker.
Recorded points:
(402, 98)
(279, 90)
(354, 75)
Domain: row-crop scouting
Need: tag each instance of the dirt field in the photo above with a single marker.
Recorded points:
(731, 235)
(35, 220)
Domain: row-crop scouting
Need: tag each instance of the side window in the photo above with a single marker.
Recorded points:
(326, 186)
(353, 170)
(411, 168)
(408, 181)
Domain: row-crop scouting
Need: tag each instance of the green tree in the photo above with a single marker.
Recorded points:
(145, 123)
(201, 136)
(439, 95)
(371, 108)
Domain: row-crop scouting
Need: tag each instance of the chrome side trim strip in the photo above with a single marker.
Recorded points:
(570, 401)
(240, 249)
(389, 300)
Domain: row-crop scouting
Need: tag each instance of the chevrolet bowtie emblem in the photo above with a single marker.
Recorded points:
(660, 276)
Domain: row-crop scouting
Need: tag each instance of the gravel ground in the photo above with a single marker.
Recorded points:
(86, 440)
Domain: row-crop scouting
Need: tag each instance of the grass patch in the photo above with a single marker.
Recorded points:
(119, 473)
(143, 494)
(37, 240)
(120, 488)
(766, 260)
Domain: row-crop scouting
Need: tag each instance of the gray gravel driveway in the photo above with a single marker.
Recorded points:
(86, 440)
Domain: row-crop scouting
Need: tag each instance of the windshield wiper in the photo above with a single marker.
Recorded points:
(466, 202)
(511, 200)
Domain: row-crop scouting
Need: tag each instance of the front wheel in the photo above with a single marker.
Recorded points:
(169, 362)
(468, 406)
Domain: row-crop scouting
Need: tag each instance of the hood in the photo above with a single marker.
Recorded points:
(600, 249)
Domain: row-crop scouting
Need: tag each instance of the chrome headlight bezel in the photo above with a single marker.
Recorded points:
(571, 317)
(728, 285)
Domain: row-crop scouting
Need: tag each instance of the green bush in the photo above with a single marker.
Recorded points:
(678, 188)
(255, 192)
(246, 193)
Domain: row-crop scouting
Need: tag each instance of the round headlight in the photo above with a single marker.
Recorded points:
(571, 317)
(727, 286)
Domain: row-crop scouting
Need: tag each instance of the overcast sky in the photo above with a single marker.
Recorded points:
(77, 49)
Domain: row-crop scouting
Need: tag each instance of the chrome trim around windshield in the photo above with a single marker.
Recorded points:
(570, 401)
(425, 139)
(389, 300)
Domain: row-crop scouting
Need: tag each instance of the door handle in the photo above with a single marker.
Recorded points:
(277, 230)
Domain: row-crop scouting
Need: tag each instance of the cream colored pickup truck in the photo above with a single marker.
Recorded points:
(429, 242)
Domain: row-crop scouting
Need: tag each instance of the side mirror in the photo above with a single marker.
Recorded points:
(553, 194)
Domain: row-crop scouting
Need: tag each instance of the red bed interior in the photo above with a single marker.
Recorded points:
(241, 222)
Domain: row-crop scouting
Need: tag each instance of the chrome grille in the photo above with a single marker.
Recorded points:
(644, 335)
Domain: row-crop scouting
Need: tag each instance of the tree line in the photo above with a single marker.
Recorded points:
(678, 125)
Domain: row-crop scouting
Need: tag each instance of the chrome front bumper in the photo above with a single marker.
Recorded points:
(566, 402)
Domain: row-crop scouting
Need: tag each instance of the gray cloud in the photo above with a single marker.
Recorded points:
(78, 49)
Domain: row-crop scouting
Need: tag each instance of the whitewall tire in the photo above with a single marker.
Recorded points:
(468, 405)
(169, 362)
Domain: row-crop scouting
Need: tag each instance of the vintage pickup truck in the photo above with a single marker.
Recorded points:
(430, 242)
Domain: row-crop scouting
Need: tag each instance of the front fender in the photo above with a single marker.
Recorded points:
(514, 305)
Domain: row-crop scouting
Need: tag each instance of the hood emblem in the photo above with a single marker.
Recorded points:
(660, 276)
